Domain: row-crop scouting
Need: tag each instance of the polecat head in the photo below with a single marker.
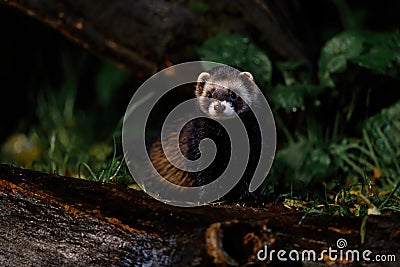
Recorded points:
(224, 91)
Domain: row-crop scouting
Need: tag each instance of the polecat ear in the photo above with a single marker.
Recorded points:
(201, 80)
(203, 77)
(248, 75)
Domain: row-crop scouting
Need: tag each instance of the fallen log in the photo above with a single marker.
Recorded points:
(51, 220)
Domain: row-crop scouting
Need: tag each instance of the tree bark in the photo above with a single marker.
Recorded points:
(49, 220)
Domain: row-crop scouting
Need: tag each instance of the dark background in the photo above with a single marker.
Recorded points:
(31, 54)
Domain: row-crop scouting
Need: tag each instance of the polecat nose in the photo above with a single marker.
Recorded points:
(219, 108)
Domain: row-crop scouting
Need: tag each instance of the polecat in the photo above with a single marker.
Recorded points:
(220, 92)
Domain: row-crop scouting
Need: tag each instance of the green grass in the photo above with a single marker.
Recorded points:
(66, 138)
(66, 143)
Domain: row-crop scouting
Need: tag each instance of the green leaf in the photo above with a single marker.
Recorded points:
(384, 130)
(378, 52)
(305, 160)
(238, 51)
(381, 50)
(335, 54)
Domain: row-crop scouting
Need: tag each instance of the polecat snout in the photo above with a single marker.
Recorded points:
(221, 93)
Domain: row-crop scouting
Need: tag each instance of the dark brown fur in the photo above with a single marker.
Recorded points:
(165, 168)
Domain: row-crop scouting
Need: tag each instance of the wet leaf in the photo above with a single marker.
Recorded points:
(335, 54)
(238, 51)
(378, 52)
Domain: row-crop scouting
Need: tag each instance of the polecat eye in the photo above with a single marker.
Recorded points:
(209, 95)
(233, 95)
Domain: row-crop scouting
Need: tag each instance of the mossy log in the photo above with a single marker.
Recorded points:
(51, 220)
